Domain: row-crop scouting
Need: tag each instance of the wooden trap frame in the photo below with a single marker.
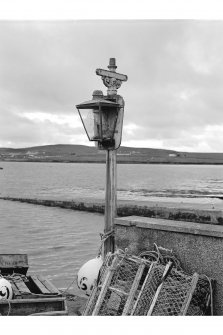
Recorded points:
(131, 285)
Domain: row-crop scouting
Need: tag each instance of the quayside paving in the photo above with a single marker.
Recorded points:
(210, 213)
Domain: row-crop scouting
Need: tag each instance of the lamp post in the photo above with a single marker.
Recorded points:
(102, 118)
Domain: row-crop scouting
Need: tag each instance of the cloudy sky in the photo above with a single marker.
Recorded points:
(173, 96)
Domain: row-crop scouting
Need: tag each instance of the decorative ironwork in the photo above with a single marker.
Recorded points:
(111, 79)
(111, 82)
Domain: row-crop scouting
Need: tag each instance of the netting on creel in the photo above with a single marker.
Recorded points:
(118, 290)
(112, 294)
(148, 290)
(97, 286)
(173, 295)
(180, 294)
(131, 285)
(201, 302)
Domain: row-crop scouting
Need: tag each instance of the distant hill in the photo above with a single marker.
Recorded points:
(85, 154)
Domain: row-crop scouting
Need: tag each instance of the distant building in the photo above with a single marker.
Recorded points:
(174, 155)
(31, 153)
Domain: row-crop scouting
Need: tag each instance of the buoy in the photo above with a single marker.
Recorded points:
(6, 292)
(87, 275)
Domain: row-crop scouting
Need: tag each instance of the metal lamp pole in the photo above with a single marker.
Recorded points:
(112, 81)
(110, 200)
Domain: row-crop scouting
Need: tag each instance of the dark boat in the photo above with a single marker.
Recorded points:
(32, 294)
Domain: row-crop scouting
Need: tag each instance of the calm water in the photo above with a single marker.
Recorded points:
(135, 182)
(59, 241)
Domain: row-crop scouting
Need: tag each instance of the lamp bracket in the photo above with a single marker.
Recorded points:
(111, 79)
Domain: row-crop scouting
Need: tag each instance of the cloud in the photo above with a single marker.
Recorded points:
(30, 129)
(173, 95)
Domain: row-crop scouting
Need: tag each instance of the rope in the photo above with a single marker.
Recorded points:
(123, 254)
(104, 237)
(161, 256)
(69, 285)
(15, 276)
(9, 310)
(211, 294)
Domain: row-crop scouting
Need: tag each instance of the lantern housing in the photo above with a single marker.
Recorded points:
(99, 117)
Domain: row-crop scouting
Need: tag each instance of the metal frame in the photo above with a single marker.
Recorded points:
(100, 140)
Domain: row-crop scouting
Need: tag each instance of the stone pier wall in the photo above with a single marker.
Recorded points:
(191, 212)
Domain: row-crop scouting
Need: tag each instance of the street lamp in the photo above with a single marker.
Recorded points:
(102, 118)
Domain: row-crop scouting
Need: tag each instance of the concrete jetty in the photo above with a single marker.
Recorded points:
(209, 213)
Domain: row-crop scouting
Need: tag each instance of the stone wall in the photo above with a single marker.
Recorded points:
(199, 247)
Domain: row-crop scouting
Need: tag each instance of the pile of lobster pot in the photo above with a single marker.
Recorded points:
(149, 284)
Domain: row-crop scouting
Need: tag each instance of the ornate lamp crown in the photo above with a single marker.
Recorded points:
(111, 79)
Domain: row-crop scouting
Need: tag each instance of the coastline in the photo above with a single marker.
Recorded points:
(93, 161)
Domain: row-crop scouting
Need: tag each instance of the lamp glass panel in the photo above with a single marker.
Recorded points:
(91, 121)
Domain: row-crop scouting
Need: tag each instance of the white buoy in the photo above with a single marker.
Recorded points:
(87, 275)
(6, 292)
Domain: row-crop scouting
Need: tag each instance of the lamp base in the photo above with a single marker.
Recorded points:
(106, 144)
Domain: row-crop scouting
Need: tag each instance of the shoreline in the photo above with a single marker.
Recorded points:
(208, 213)
(118, 162)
